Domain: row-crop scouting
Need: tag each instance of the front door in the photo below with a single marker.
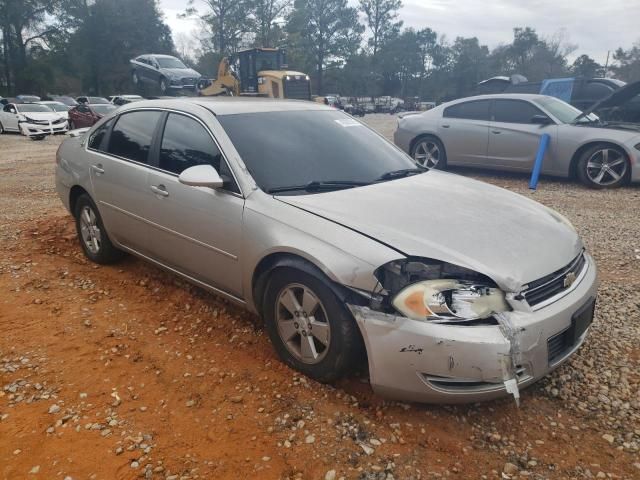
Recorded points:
(464, 131)
(195, 230)
(9, 118)
(119, 176)
(513, 138)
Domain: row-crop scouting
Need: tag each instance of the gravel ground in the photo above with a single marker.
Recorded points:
(125, 372)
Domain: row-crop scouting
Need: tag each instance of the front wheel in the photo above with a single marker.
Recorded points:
(429, 152)
(1, 128)
(603, 166)
(93, 236)
(163, 86)
(309, 326)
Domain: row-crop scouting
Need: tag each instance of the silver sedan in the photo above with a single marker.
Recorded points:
(451, 289)
(503, 132)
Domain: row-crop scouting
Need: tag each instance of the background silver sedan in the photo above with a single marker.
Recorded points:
(452, 289)
(503, 132)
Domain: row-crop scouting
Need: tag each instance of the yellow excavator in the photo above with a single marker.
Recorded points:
(259, 72)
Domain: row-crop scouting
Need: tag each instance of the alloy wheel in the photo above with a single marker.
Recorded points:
(427, 154)
(90, 231)
(302, 323)
(606, 167)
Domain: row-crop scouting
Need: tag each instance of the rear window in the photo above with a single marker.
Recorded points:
(476, 110)
(132, 135)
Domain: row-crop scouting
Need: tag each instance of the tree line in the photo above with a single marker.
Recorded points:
(364, 50)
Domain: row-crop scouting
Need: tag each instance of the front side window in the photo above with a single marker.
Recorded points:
(476, 110)
(132, 135)
(97, 137)
(514, 111)
(186, 143)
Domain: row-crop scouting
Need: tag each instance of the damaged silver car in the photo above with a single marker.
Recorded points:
(451, 289)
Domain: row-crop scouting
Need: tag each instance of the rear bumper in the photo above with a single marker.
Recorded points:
(443, 363)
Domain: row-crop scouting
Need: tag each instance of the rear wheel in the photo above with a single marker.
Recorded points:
(603, 166)
(309, 326)
(429, 153)
(93, 237)
(1, 129)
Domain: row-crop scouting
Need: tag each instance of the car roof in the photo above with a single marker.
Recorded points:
(233, 105)
(504, 96)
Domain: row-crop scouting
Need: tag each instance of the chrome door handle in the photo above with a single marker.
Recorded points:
(98, 169)
(446, 126)
(496, 132)
(159, 190)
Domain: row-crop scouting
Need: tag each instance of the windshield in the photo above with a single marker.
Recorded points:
(564, 112)
(32, 107)
(96, 100)
(57, 107)
(103, 109)
(283, 149)
(170, 62)
(267, 61)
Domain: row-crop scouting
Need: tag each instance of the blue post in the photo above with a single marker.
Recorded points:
(537, 166)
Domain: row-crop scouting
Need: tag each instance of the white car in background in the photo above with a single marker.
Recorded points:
(57, 107)
(33, 120)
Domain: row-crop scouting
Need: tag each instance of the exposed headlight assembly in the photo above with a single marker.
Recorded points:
(449, 300)
(431, 290)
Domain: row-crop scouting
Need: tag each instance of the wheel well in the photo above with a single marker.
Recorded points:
(75, 193)
(573, 167)
(274, 261)
(426, 135)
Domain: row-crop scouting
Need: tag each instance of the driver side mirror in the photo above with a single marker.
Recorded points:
(201, 176)
(541, 120)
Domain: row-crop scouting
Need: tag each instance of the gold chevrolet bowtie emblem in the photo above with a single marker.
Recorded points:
(569, 279)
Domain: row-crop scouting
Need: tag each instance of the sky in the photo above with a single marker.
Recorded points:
(596, 26)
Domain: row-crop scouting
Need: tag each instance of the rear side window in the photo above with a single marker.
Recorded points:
(132, 135)
(96, 140)
(477, 110)
(514, 111)
(186, 143)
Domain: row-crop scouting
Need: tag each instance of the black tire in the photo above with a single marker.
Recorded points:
(72, 126)
(345, 344)
(419, 145)
(163, 86)
(37, 138)
(105, 253)
(1, 128)
(615, 173)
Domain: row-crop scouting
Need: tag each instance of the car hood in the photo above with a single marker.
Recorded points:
(42, 115)
(617, 98)
(455, 219)
(181, 72)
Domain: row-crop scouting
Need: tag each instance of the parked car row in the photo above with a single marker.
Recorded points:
(33, 120)
(474, 295)
(502, 131)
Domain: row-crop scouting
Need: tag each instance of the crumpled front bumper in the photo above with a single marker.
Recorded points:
(36, 130)
(444, 363)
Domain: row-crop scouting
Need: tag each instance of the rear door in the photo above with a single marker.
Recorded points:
(195, 230)
(464, 130)
(513, 138)
(119, 175)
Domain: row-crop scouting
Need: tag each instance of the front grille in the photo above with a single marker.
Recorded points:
(551, 285)
(558, 345)
(298, 89)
